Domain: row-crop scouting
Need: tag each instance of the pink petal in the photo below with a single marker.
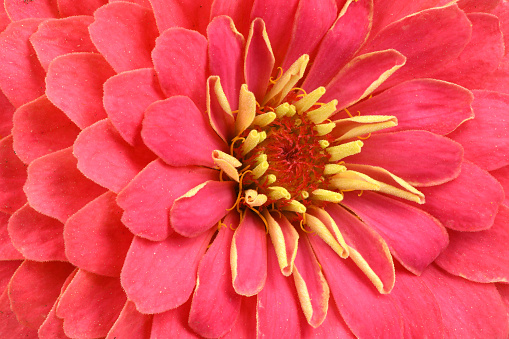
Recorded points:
(259, 60)
(503, 289)
(221, 119)
(421, 312)
(202, 207)
(21, 74)
(468, 203)
(278, 16)
(419, 105)
(7, 250)
(4, 19)
(414, 237)
(312, 20)
(427, 47)
(75, 85)
(333, 326)
(479, 256)
(486, 138)
(226, 50)
(125, 35)
(502, 175)
(9, 324)
(290, 240)
(238, 11)
(502, 12)
(468, 308)
(340, 43)
(40, 128)
(34, 288)
(6, 113)
(215, 305)
(190, 14)
(361, 74)
(131, 323)
(95, 238)
(367, 242)
(126, 96)
(144, 3)
(421, 158)
(12, 177)
(180, 60)
(149, 196)
(159, 276)
(7, 269)
(311, 285)
(173, 324)
(277, 311)
(83, 7)
(56, 37)
(476, 6)
(170, 135)
(19, 10)
(90, 305)
(249, 255)
(356, 297)
(37, 236)
(481, 56)
(52, 183)
(104, 157)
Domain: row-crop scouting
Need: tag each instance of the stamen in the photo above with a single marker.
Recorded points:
(264, 119)
(321, 114)
(326, 195)
(309, 100)
(324, 129)
(234, 140)
(278, 192)
(364, 138)
(263, 219)
(344, 150)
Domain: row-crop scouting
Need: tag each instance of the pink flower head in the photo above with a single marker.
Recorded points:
(280, 169)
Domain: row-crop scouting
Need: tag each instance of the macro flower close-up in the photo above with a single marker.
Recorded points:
(254, 168)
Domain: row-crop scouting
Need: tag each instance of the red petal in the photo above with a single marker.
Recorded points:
(158, 276)
(9, 324)
(131, 324)
(34, 288)
(226, 51)
(277, 311)
(37, 236)
(7, 269)
(414, 237)
(173, 324)
(340, 44)
(21, 74)
(12, 177)
(368, 243)
(421, 158)
(149, 196)
(481, 56)
(190, 14)
(419, 105)
(6, 113)
(52, 183)
(40, 128)
(278, 16)
(236, 10)
(476, 6)
(125, 35)
(75, 85)
(104, 157)
(249, 255)
(7, 250)
(245, 325)
(468, 308)
(4, 19)
(422, 39)
(19, 10)
(83, 7)
(95, 238)
(90, 305)
(202, 207)
(468, 203)
(180, 60)
(480, 256)
(312, 20)
(502, 175)
(126, 96)
(334, 326)
(363, 75)
(503, 289)
(486, 138)
(356, 297)
(180, 140)
(215, 305)
(56, 37)
(259, 60)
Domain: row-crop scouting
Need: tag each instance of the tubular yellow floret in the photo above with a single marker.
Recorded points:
(344, 150)
(282, 110)
(217, 154)
(260, 169)
(324, 129)
(309, 100)
(326, 195)
(291, 111)
(271, 178)
(295, 206)
(261, 158)
(252, 140)
(323, 113)
(323, 143)
(278, 192)
(333, 169)
(304, 194)
(264, 119)
(253, 199)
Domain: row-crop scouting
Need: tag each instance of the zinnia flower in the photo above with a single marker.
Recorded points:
(253, 168)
